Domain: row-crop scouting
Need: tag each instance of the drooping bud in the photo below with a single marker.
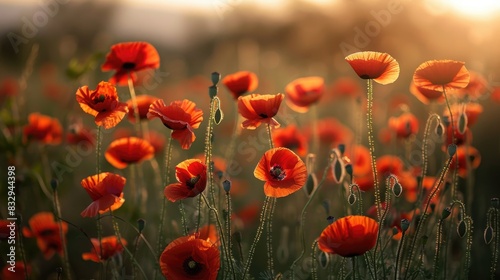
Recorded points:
(54, 183)
(310, 185)
(141, 223)
(397, 189)
(439, 130)
(405, 224)
(495, 202)
(352, 199)
(452, 149)
(462, 123)
(341, 148)
(348, 169)
(446, 213)
(212, 91)
(461, 229)
(330, 219)
(488, 235)
(226, 184)
(338, 169)
(323, 259)
(395, 230)
(215, 78)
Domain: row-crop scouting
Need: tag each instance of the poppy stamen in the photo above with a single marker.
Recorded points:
(192, 182)
(263, 116)
(191, 267)
(277, 172)
(128, 65)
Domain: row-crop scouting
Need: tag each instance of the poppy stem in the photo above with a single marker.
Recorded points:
(221, 234)
(20, 239)
(353, 268)
(99, 238)
(57, 209)
(168, 157)
(453, 141)
(269, 218)
(494, 251)
(116, 228)
(438, 246)
(303, 214)
(420, 224)
(371, 144)
(398, 255)
(314, 250)
(133, 97)
(263, 214)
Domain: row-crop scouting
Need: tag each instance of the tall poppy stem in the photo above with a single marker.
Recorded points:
(168, 157)
(221, 234)
(263, 215)
(353, 268)
(133, 97)
(303, 215)
(98, 171)
(269, 218)
(371, 144)
(57, 209)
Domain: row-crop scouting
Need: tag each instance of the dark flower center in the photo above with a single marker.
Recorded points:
(99, 99)
(47, 232)
(128, 65)
(262, 115)
(191, 267)
(277, 172)
(192, 182)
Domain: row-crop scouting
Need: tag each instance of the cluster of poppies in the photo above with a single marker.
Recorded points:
(199, 254)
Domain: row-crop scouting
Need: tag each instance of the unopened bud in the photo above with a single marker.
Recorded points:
(341, 148)
(495, 202)
(212, 91)
(488, 235)
(215, 78)
(405, 224)
(330, 219)
(348, 169)
(54, 183)
(446, 213)
(439, 129)
(141, 223)
(352, 199)
(226, 185)
(397, 189)
(452, 149)
(462, 123)
(461, 229)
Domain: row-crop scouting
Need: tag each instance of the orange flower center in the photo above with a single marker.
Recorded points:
(277, 172)
(191, 267)
(128, 65)
(192, 182)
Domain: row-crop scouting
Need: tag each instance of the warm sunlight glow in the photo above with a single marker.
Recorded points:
(476, 8)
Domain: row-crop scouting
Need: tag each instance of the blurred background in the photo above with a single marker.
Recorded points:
(279, 40)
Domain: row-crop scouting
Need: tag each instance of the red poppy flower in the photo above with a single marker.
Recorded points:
(464, 153)
(45, 229)
(459, 137)
(208, 233)
(128, 150)
(360, 160)
(441, 75)
(349, 236)
(19, 273)
(257, 109)
(106, 191)
(426, 95)
(127, 58)
(332, 132)
(43, 129)
(387, 165)
(303, 92)
(345, 87)
(78, 134)
(477, 86)
(110, 247)
(4, 229)
(380, 67)
(240, 83)
(8, 87)
(188, 257)
(180, 116)
(191, 176)
(247, 215)
(143, 103)
(404, 125)
(102, 103)
(365, 182)
(290, 137)
(283, 172)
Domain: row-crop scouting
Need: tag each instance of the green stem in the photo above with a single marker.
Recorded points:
(371, 144)
(133, 97)
(65, 257)
(263, 214)
(438, 246)
(398, 255)
(168, 157)
(303, 214)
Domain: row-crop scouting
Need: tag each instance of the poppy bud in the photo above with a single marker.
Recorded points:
(212, 91)
(310, 185)
(397, 189)
(461, 229)
(330, 219)
(215, 78)
(338, 169)
(352, 199)
(54, 183)
(341, 148)
(452, 149)
(141, 223)
(323, 259)
(439, 129)
(226, 185)
(446, 213)
(348, 169)
(446, 120)
(462, 123)
(488, 235)
(395, 231)
(218, 116)
(405, 224)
